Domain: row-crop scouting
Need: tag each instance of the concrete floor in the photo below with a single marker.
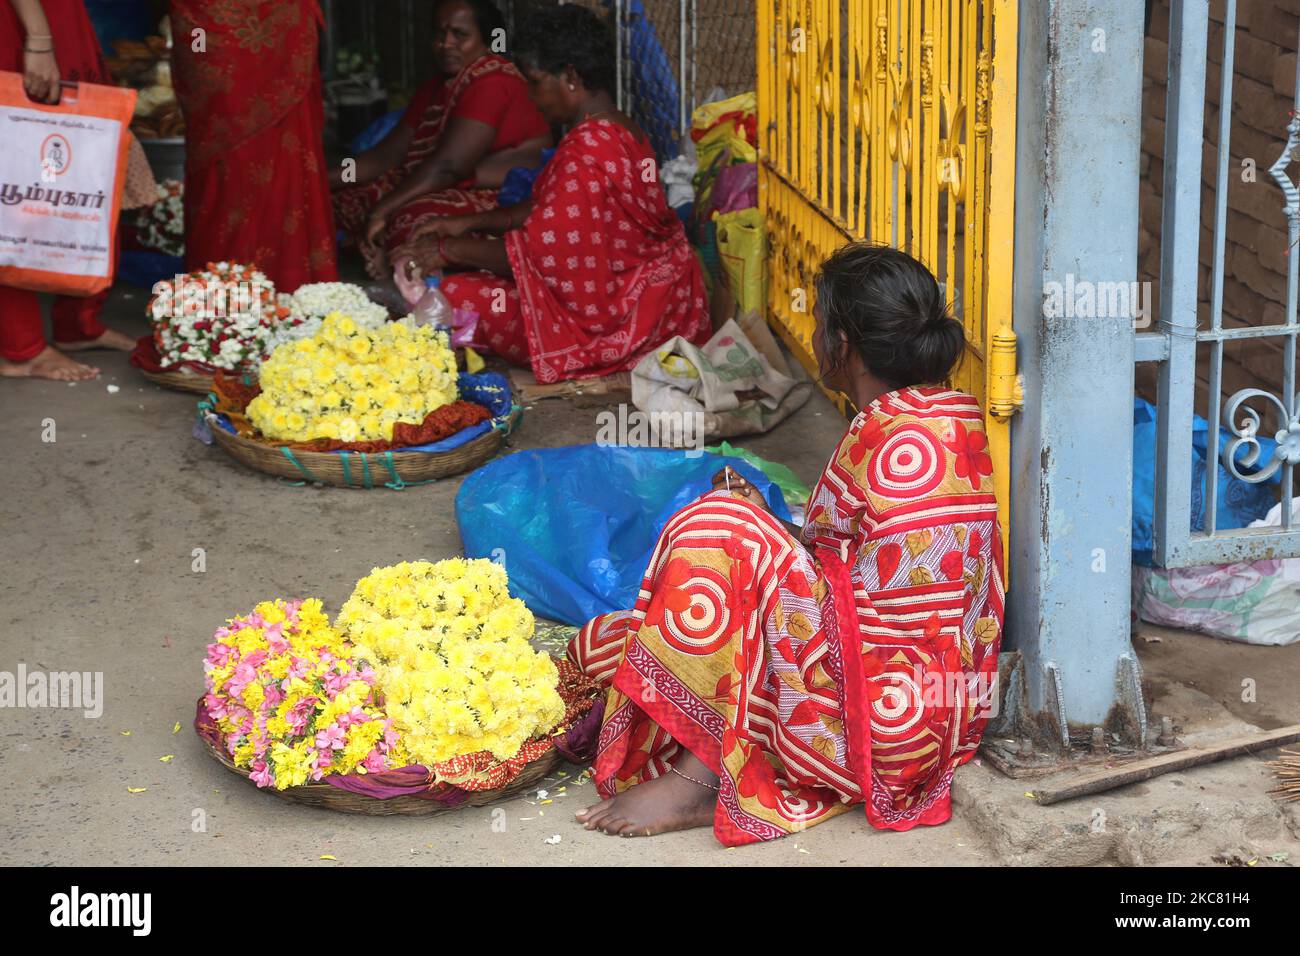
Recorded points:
(98, 532)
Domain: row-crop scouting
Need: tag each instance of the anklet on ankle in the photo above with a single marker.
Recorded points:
(711, 786)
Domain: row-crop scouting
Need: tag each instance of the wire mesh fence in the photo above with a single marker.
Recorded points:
(673, 55)
(723, 40)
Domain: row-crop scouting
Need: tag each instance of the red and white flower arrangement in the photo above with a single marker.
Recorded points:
(223, 317)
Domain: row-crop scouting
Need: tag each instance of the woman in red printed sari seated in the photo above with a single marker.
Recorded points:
(594, 271)
(765, 681)
(461, 134)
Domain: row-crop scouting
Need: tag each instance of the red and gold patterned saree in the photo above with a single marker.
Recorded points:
(853, 666)
(256, 191)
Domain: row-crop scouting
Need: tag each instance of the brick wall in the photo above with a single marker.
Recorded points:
(1255, 258)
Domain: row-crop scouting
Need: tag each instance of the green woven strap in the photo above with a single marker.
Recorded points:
(397, 484)
(288, 453)
(367, 481)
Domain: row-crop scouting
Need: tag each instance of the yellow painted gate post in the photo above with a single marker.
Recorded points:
(895, 121)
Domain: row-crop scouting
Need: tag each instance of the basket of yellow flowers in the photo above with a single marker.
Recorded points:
(359, 407)
(423, 695)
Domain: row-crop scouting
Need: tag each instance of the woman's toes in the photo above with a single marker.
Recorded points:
(593, 809)
(594, 819)
(633, 830)
(613, 824)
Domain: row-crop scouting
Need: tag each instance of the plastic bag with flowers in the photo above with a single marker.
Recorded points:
(291, 701)
(351, 383)
(222, 317)
(452, 659)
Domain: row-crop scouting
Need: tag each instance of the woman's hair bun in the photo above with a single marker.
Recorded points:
(890, 309)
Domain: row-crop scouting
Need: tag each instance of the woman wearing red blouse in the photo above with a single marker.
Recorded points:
(462, 133)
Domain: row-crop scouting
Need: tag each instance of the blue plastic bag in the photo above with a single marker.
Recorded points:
(375, 133)
(518, 184)
(575, 526)
(1239, 502)
(146, 269)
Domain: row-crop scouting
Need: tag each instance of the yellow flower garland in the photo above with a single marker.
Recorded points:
(349, 383)
(452, 659)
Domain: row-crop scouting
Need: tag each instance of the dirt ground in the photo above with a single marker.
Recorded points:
(99, 527)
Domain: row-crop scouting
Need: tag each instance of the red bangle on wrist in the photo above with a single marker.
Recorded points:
(442, 251)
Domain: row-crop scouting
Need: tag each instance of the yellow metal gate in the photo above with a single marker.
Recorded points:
(894, 121)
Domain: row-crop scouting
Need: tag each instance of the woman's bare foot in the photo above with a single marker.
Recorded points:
(51, 363)
(667, 803)
(111, 339)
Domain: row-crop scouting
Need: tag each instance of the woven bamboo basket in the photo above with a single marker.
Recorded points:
(376, 469)
(329, 797)
(181, 381)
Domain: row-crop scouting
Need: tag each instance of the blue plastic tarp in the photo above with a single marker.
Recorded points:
(575, 526)
(1239, 502)
(653, 83)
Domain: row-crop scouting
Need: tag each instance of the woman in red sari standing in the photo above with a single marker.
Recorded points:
(256, 189)
(48, 41)
(595, 270)
(463, 131)
(768, 681)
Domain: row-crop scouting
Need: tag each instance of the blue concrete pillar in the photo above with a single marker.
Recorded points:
(1078, 116)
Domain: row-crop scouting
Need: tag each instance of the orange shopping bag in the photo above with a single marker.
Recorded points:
(61, 174)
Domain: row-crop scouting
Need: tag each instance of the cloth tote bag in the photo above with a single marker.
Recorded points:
(61, 173)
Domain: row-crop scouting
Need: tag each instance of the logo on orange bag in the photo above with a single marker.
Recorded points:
(56, 155)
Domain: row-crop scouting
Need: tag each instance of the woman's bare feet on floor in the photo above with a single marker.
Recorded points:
(667, 803)
(111, 339)
(51, 363)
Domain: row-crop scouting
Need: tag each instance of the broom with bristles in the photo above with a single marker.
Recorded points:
(1287, 770)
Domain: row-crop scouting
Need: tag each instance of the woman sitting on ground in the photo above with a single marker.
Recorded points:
(461, 134)
(595, 270)
(764, 682)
